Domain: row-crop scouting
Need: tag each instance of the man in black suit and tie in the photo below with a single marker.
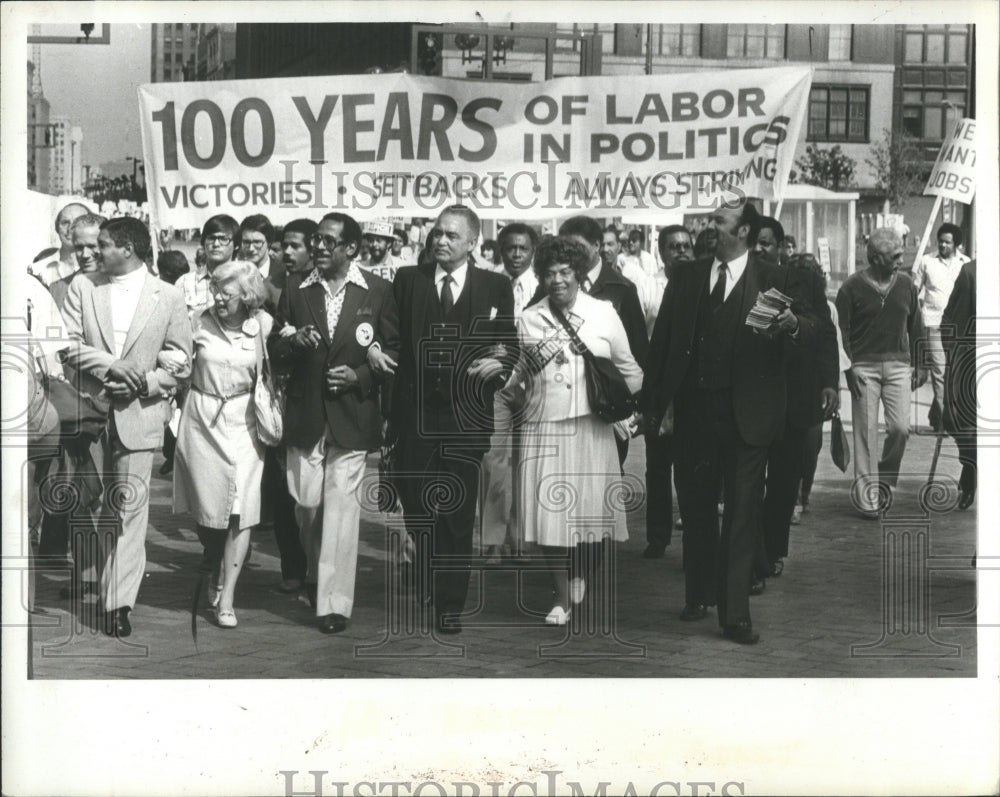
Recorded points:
(719, 386)
(457, 347)
(333, 414)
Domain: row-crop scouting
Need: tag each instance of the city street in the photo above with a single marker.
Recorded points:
(832, 612)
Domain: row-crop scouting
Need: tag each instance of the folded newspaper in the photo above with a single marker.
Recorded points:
(768, 307)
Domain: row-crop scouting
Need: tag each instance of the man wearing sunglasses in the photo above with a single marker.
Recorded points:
(333, 412)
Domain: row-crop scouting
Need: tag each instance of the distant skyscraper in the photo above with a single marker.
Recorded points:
(174, 49)
(65, 166)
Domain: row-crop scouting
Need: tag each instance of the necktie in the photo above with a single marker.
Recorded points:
(518, 297)
(447, 299)
(719, 291)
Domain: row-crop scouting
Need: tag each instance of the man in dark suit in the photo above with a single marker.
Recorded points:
(332, 413)
(457, 346)
(813, 383)
(254, 245)
(718, 385)
(961, 408)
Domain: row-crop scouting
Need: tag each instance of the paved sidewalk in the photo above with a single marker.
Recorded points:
(830, 614)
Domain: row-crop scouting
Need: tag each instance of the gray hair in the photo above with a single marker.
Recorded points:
(882, 239)
(247, 278)
(86, 220)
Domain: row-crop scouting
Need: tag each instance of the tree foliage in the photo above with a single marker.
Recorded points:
(828, 168)
(899, 169)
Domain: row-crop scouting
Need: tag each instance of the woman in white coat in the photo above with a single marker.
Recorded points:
(570, 477)
(219, 462)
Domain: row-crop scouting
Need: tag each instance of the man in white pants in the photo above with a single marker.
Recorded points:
(119, 320)
(333, 412)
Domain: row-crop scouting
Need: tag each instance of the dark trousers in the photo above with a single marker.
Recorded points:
(439, 490)
(812, 444)
(659, 493)
(967, 456)
(784, 469)
(718, 569)
(281, 507)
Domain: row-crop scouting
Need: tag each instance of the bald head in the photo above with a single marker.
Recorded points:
(65, 219)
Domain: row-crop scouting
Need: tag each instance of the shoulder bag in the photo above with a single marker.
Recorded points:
(609, 396)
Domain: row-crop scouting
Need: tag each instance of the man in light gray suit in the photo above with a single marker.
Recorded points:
(131, 346)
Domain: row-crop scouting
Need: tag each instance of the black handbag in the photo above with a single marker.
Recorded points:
(840, 451)
(609, 396)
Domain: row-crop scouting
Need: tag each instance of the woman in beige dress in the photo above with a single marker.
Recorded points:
(570, 477)
(219, 463)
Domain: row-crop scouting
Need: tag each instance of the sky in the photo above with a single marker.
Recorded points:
(107, 108)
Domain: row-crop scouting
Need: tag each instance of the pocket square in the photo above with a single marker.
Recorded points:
(493, 313)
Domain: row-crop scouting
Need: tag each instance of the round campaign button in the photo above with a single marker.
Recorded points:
(364, 334)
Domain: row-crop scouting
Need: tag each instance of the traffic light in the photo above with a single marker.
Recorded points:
(429, 47)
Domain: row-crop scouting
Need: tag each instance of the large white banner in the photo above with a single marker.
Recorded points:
(405, 145)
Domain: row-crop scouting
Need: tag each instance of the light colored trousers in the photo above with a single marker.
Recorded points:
(325, 484)
(122, 559)
(935, 356)
(496, 503)
(888, 383)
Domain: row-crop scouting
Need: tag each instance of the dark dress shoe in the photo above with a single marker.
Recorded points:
(777, 568)
(167, 467)
(742, 633)
(448, 624)
(117, 622)
(653, 551)
(694, 611)
(966, 498)
(758, 586)
(332, 623)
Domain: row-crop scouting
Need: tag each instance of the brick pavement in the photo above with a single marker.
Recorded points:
(831, 597)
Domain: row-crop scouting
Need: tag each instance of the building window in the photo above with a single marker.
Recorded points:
(937, 45)
(569, 34)
(755, 41)
(840, 43)
(928, 115)
(838, 113)
(677, 40)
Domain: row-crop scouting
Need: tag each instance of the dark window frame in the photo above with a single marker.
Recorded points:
(826, 137)
(745, 25)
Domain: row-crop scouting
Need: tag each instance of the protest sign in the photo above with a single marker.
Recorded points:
(954, 172)
(401, 145)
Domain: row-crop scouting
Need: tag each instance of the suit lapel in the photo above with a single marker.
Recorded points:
(353, 299)
(423, 292)
(471, 299)
(315, 296)
(101, 296)
(148, 300)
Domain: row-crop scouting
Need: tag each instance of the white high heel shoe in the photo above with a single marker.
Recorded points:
(558, 616)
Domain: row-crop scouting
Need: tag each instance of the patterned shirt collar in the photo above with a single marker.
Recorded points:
(354, 276)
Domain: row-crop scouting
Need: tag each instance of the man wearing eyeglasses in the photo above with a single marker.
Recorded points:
(333, 412)
(255, 237)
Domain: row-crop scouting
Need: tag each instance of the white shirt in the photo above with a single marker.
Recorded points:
(644, 260)
(936, 277)
(55, 270)
(457, 280)
(524, 286)
(646, 287)
(735, 267)
(125, 292)
(591, 278)
(45, 325)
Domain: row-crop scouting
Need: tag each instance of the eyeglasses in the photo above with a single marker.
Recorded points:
(218, 293)
(328, 241)
(254, 244)
(222, 240)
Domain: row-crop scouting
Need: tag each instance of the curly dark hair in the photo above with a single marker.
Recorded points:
(561, 249)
